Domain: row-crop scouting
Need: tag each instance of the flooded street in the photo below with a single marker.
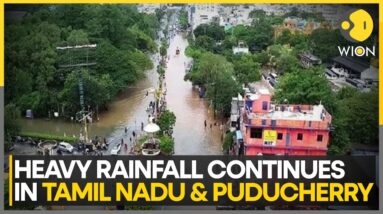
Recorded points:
(191, 136)
(129, 110)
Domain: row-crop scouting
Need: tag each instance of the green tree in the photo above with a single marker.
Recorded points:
(96, 93)
(141, 40)
(246, 70)
(222, 90)
(78, 37)
(206, 67)
(194, 52)
(166, 121)
(360, 113)
(257, 14)
(205, 42)
(211, 30)
(141, 61)
(240, 32)
(33, 74)
(282, 58)
(262, 58)
(216, 74)
(262, 33)
(33, 101)
(11, 123)
(340, 142)
(325, 43)
(285, 37)
(166, 144)
(287, 63)
(149, 24)
(305, 86)
(108, 22)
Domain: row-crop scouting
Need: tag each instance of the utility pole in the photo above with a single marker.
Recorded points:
(75, 63)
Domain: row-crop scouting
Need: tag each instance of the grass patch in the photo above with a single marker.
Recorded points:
(43, 136)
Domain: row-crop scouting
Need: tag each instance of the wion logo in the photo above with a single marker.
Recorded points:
(356, 27)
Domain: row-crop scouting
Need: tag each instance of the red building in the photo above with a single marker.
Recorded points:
(287, 129)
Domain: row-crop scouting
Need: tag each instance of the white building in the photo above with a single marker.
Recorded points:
(204, 14)
(241, 48)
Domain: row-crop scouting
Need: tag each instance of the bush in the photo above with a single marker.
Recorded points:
(43, 136)
(166, 121)
(166, 145)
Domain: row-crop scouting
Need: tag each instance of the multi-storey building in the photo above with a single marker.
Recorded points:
(287, 129)
(204, 14)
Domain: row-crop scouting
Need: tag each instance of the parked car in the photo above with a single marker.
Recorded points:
(65, 147)
(116, 149)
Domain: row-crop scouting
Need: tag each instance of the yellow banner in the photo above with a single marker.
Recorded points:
(270, 135)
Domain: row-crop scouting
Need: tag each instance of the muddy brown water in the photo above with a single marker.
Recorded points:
(129, 110)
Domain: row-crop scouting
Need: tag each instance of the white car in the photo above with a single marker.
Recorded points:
(116, 149)
(65, 147)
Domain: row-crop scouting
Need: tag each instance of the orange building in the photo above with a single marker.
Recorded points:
(287, 129)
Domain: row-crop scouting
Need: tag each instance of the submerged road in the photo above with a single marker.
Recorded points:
(129, 110)
(191, 136)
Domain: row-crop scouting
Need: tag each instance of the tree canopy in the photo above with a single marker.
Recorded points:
(216, 74)
(34, 75)
(305, 86)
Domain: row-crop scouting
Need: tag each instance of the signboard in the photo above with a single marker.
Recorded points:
(269, 137)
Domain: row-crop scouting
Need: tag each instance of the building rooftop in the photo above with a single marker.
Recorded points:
(284, 115)
(309, 56)
(351, 63)
(293, 112)
(259, 87)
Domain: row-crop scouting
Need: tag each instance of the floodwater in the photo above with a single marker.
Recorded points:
(190, 134)
(129, 110)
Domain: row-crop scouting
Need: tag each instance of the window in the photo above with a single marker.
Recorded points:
(320, 138)
(265, 105)
(256, 133)
(280, 136)
(300, 136)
